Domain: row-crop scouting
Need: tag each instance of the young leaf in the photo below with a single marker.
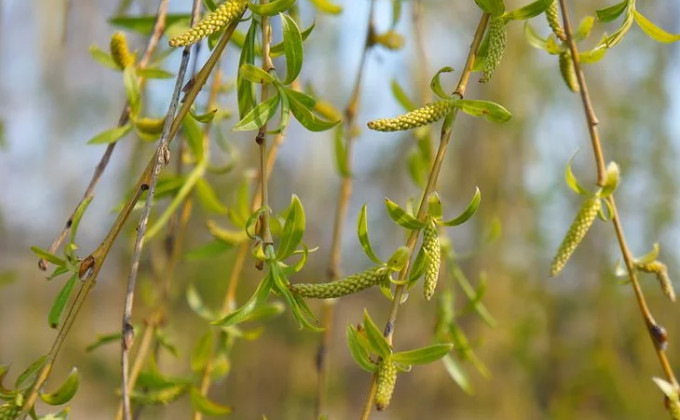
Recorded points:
(204, 405)
(49, 257)
(259, 115)
(571, 180)
(418, 268)
(244, 312)
(292, 45)
(54, 316)
(401, 217)
(103, 339)
(103, 57)
(612, 12)
(401, 96)
(278, 50)
(270, 9)
(341, 161)
(297, 305)
(378, 342)
(293, 230)
(77, 216)
(112, 135)
(397, 260)
(422, 355)
(303, 112)
(202, 352)
(208, 197)
(26, 377)
(469, 211)
(358, 352)
(255, 74)
(362, 231)
(327, 7)
(654, 31)
(245, 88)
(617, 36)
(65, 392)
(435, 83)
(154, 73)
(132, 89)
(487, 109)
(528, 11)
(493, 7)
(458, 374)
(197, 305)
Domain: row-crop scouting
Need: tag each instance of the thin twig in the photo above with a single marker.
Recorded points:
(422, 208)
(157, 33)
(344, 194)
(652, 327)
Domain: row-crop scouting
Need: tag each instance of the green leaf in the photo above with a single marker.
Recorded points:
(341, 158)
(161, 396)
(204, 405)
(654, 31)
(327, 7)
(297, 305)
(472, 295)
(208, 251)
(398, 259)
(594, 55)
(103, 339)
(154, 73)
(362, 232)
(208, 197)
(278, 50)
(612, 12)
(202, 352)
(423, 355)
(207, 116)
(469, 211)
(62, 415)
(197, 305)
(244, 312)
(267, 311)
(487, 109)
(144, 24)
(65, 392)
(210, 4)
(584, 28)
(617, 36)
(435, 83)
(401, 96)
(528, 11)
(358, 352)
(241, 212)
(611, 181)
(132, 89)
(418, 268)
(27, 376)
(244, 88)
(378, 342)
(111, 135)
(401, 217)
(103, 57)
(58, 271)
(533, 38)
(255, 74)
(259, 115)
(270, 9)
(493, 7)
(458, 374)
(649, 257)
(302, 109)
(54, 316)
(292, 45)
(434, 206)
(571, 180)
(49, 257)
(293, 229)
(77, 216)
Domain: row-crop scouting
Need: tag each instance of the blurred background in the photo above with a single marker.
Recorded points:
(573, 346)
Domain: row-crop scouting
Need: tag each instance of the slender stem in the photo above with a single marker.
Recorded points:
(344, 195)
(429, 188)
(156, 34)
(591, 119)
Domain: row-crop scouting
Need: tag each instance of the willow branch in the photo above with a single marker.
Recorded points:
(422, 208)
(652, 327)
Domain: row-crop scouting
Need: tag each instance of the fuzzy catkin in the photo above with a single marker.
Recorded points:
(387, 378)
(553, 18)
(348, 285)
(213, 22)
(120, 52)
(416, 118)
(568, 72)
(577, 231)
(661, 271)
(498, 37)
(432, 249)
(9, 411)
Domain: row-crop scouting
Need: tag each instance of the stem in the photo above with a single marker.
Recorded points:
(429, 188)
(344, 194)
(156, 34)
(261, 138)
(601, 171)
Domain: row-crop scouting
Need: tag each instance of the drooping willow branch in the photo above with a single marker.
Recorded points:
(422, 208)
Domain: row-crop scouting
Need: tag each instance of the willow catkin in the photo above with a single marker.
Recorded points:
(553, 18)
(120, 52)
(416, 118)
(9, 411)
(568, 72)
(352, 284)
(432, 249)
(215, 21)
(577, 231)
(498, 36)
(387, 378)
(661, 271)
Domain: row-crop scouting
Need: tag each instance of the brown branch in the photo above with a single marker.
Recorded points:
(654, 330)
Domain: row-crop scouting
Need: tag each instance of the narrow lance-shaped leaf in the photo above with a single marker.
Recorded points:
(362, 232)
(528, 11)
(244, 87)
(612, 12)
(375, 337)
(292, 45)
(48, 256)
(255, 74)
(487, 109)
(327, 7)
(303, 112)
(401, 96)
(54, 316)
(132, 89)
(654, 31)
(259, 115)
(65, 392)
(469, 211)
(458, 375)
(204, 405)
(272, 8)
(293, 230)
(401, 217)
(422, 355)
(77, 216)
(26, 377)
(571, 180)
(435, 83)
(111, 135)
(358, 352)
(244, 312)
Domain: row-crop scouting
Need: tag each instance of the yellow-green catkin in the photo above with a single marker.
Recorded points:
(213, 22)
(568, 72)
(661, 271)
(390, 40)
(674, 409)
(432, 249)
(387, 378)
(343, 287)
(152, 126)
(120, 52)
(498, 37)
(553, 17)
(577, 231)
(416, 118)
(9, 411)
